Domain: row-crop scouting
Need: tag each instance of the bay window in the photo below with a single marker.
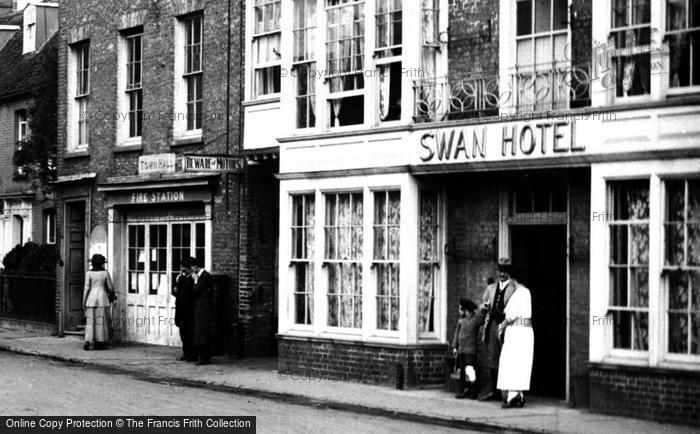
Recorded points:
(387, 231)
(303, 218)
(630, 36)
(428, 260)
(266, 47)
(345, 51)
(343, 258)
(304, 62)
(628, 233)
(683, 35)
(682, 266)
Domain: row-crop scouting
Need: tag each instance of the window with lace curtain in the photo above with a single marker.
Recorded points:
(628, 231)
(682, 265)
(387, 231)
(303, 218)
(428, 259)
(345, 51)
(304, 62)
(630, 35)
(267, 57)
(683, 36)
(343, 259)
(387, 52)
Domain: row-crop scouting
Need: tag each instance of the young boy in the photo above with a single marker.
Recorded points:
(464, 343)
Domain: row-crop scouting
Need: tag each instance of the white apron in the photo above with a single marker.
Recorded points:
(515, 363)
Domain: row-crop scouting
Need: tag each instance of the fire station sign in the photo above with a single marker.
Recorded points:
(209, 163)
(494, 142)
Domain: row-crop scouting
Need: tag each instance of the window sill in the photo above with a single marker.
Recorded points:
(187, 140)
(261, 101)
(685, 369)
(129, 146)
(76, 154)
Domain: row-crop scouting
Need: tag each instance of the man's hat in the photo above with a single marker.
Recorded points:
(467, 304)
(505, 265)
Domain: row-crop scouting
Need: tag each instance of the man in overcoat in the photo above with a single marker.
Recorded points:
(203, 311)
(184, 310)
(496, 298)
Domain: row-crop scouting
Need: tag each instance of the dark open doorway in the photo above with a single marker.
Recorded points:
(539, 254)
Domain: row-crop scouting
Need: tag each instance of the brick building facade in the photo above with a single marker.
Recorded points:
(554, 133)
(148, 99)
(27, 73)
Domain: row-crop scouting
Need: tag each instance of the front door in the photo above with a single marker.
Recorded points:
(154, 252)
(539, 254)
(76, 263)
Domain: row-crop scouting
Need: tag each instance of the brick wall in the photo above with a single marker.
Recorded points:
(362, 362)
(658, 394)
(100, 22)
(473, 31)
(258, 267)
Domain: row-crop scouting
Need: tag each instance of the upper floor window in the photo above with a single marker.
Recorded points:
(193, 73)
(82, 91)
(134, 88)
(389, 23)
(266, 47)
(631, 38)
(683, 35)
(22, 131)
(345, 52)
(50, 227)
(304, 62)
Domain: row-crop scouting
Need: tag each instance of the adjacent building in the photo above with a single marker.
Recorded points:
(420, 141)
(28, 56)
(149, 133)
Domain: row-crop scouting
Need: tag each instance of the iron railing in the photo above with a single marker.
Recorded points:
(28, 297)
(526, 89)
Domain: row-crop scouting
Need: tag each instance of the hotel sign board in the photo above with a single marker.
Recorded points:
(157, 163)
(212, 163)
(498, 142)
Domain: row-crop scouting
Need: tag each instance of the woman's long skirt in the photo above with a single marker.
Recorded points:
(515, 366)
(96, 329)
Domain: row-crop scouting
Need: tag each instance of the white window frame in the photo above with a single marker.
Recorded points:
(50, 222)
(127, 88)
(29, 24)
(600, 347)
(78, 90)
(438, 265)
(265, 67)
(308, 260)
(304, 65)
(376, 262)
(181, 74)
(686, 29)
(665, 291)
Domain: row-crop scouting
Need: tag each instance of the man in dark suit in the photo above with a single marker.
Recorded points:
(184, 310)
(496, 298)
(203, 310)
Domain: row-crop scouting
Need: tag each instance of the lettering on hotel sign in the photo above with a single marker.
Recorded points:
(498, 142)
(157, 163)
(208, 163)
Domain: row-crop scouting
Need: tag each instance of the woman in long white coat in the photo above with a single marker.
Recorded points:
(515, 363)
(98, 286)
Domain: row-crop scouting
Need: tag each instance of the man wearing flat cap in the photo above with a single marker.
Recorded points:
(496, 298)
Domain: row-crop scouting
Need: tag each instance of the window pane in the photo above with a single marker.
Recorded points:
(542, 16)
(426, 300)
(622, 336)
(631, 200)
(678, 333)
(524, 17)
(561, 12)
(639, 291)
(678, 290)
(694, 196)
(694, 245)
(618, 285)
(675, 14)
(674, 244)
(618, 244)
(639, 244)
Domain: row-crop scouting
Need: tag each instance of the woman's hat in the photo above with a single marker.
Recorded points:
(97, 259)
(467, 304)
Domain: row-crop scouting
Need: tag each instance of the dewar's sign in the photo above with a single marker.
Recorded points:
(497, 142)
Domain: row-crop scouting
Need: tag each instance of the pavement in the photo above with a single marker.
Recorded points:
(259, 378)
